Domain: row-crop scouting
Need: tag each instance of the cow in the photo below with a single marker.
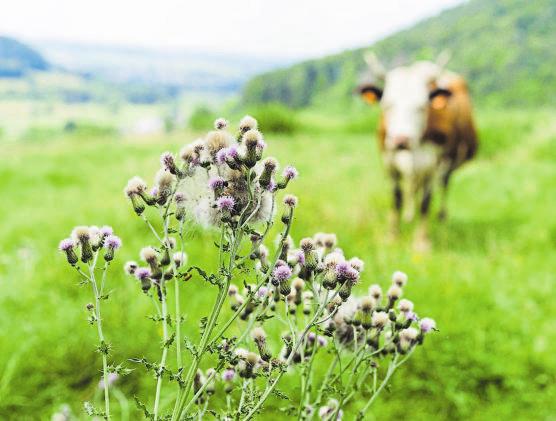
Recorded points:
(425, 132)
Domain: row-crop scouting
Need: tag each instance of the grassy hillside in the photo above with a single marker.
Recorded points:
(16, 58)
(506, 48)
(486, 281)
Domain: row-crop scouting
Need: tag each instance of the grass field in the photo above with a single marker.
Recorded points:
(488, 281)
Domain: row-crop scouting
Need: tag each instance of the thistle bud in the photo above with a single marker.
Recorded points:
(329, 280)
(367, 305)
(169, 164)
(288, 174)
(143, 275)
(308, 247)
(269, 168)
(259, 336)
(179, 258)
(394, 292)
(252, 139)
(111, 244)
(82, 235)
(150, 256)
(67, 246)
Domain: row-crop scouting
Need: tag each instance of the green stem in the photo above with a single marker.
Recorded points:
(164, 353)
(102, 342)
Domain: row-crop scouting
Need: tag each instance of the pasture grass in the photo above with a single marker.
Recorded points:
(488, 281)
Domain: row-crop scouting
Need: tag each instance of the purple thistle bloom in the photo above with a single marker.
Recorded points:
(290, 173)
(271, 186)
(300, 257)
(290, 200)
(352, 275)
(66, 244)
(409, 315)
(154, 191)
(106, 231)
(262, 292)
(311, 336)
(427, 324)
(232, 153)
(142, 273)
(167, 161)
(113, 242)
(216, 183)
(282, 273)
(228, 375)
(112, 377)
(221, 156)
(322, 341)
(226, 203)
(342, 269)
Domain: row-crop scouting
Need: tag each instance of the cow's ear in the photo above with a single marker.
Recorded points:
(370, 93)
(439, 98)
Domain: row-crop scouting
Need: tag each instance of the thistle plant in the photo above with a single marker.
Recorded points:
(277, 312)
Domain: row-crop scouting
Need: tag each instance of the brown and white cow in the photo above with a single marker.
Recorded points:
(426, 131)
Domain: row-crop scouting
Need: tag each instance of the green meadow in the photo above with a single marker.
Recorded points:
(488, 281)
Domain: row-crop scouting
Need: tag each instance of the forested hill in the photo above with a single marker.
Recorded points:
(16, 58)
(506, 48)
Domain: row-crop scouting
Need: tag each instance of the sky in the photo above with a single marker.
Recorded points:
(282, 28)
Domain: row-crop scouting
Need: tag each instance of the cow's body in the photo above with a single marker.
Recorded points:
(423, 141)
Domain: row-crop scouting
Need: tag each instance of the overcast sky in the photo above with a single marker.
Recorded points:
(281, 28)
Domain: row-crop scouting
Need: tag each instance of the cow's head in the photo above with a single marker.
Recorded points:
(406, 94)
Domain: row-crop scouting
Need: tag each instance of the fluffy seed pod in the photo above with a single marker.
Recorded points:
(399, 279)
(394, 292)
(247, 123)
(180, 258)
(379, 319)
(130, 267)
(375, 291)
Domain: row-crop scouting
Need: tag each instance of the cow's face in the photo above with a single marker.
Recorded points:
(409, 94)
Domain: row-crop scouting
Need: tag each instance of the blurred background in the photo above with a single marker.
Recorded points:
(92, 93)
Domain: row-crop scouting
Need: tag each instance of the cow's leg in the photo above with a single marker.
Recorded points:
(422, 241)
(411, 187)
(444, 181)
(396, 205)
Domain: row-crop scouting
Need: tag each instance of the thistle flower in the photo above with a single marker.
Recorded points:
(168, 163)
(252, 139)
(164, 181)
(112, 378)
(135, 186)
(280, 274)
(375, 291)
(269, 168)
(379, 319)
(232, 290)
(427, 324)
(399, 279)
(82, 235)
(67, 246)
(322, 341)
(367, 304)
(408, 337)
(106, 230)
(111, 244)
(357, 264)
(150, 256)
(394, 292)
(225, 203)
(216, 184)
(290, 200)
(247, 123)
(144, 275)
(130, 267)
(289, 173)
(134, 189)
(259, 336)
(405, 306)
(262, 292)
(220, 124)
(228, 375)
(180, 258)
(217, 140)
(188, 154)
